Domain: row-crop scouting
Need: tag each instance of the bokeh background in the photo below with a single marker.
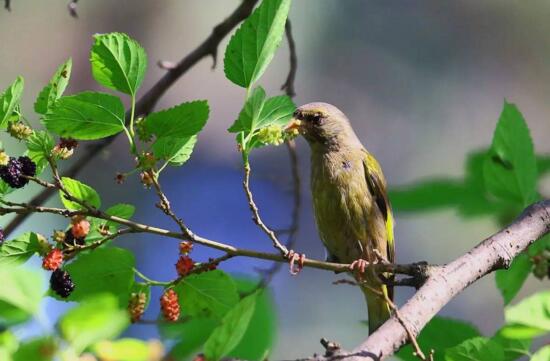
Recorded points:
(423, 84)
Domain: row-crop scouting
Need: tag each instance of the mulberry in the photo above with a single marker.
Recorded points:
(53, 260)
(27, 166)
(136, 306)
(80, 227)
(61, 283)
(2, 236)
(71, 240)
(184, 265)
(186, 247)
(170, 306)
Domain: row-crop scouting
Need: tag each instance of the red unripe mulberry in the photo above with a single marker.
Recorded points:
(53, 260)
(170, 306)
(184, 265)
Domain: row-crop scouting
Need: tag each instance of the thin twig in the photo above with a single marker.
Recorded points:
(147, 103)
(256, 214)
(288, 85)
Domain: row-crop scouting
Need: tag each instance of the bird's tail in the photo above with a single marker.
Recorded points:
(379, 310)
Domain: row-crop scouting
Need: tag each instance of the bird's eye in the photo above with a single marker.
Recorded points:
(315, 118)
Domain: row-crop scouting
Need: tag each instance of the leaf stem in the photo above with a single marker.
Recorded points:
(148, 280)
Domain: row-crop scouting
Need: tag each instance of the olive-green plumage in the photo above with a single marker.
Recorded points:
(351, 207)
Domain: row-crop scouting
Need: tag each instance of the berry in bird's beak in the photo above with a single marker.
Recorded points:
(293, 127)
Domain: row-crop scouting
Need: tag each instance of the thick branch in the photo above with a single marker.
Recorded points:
(496, 252)
(146, 104)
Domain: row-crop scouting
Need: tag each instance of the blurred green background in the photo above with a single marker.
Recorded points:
(423, 84)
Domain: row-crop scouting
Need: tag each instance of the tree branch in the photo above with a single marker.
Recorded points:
(444, 283)
(147, 102)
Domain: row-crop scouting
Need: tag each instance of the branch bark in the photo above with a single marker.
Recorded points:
(444, 283)
(147, 102)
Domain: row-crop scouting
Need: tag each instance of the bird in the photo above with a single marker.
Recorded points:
(351, 206)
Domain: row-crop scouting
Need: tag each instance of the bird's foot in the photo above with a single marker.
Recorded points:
(296, 262)
(359, 265)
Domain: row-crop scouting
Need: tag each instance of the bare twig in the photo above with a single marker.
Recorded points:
(288, 85)
(147, 103)
(256, 214)
(72, 6)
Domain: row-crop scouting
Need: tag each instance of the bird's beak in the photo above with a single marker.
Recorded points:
(293, 126)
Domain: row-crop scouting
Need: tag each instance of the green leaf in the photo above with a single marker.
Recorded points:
(184, 120)
(8, 345)
(79, 191)
(38, 349)
(125, 349)
(509, 281)
(234, 325)
(209, 294)
(190, 335)
(258, 339)
(542, 354)
(103, 270)
(86, 116)
(118, 62)
(510, 168)
(55, 88)
(175, 151)
(251, 49)
(21, 289)
(513, 348)
(531, 316)
(475, 349)
(121, 210)
(96, 318)
(438, 335)
(248, 117)
(40, 145)
(19, 250)
(9, 100)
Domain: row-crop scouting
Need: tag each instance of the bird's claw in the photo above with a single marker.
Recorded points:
(359, 265)
(294, 257)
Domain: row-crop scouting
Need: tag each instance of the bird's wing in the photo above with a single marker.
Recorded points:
(377, 187)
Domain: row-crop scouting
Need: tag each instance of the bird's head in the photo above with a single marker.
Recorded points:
(324, 126)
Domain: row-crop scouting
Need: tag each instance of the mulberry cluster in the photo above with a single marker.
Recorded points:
(136, 306)
(170, 306)
(13, 173)
(2, 236)
(61, 283)
(71, 240)
(19, 130)
(65, 148)
(184, 265)
(186, 247)
(80, 227)
(272, 134)
(53, 260)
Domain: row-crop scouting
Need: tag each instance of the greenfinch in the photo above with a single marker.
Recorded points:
(351, 206)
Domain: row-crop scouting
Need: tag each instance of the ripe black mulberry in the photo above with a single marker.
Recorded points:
(61, 283)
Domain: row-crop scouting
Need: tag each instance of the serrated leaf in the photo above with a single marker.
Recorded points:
(118, 62)
(125, 349)
(259, 337)
(21, 289)
(19, 250)
(103, 270)
(248, 117)
(9, 100)
(509, 281)
(184, 120)
(121, 210)
(253, 45)
(86, 116)
(510, 168)
(440, 334)
(233, 327)
(475, 349)
(79, 191)
(55, 88)
(513, 348)
(40, 145)
(542, 354)
(531, 316)
(96, 318)
(175, 151)
(209, 294)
